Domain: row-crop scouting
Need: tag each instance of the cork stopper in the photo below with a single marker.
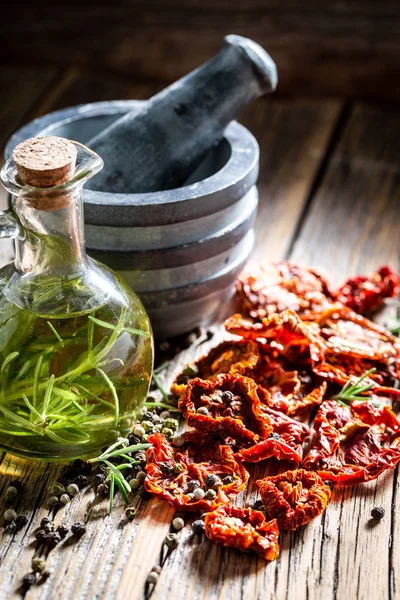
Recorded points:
(44, 162)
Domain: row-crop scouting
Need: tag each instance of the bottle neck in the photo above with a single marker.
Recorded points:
(52, 241)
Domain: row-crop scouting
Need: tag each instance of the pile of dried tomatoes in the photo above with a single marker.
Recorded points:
(300, 353)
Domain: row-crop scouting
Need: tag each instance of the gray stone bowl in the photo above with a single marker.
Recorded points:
(181, 249)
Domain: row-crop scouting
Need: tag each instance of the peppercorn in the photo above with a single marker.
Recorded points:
(171, 424)
(157, 569)
(227, 480)
(199, 494)
(38, 565)
(178, 441)
(159, 427)
(152, 577)
(164, 346)
(148, 426)
(52, 501)
(209, 495)
(130, 513)
(192, 485)
(52, 539)
(45, 575)
(81, 481)
(86, 468)
(78, 464)
(65, 499)
(147, 416)
(21, 521)
(10, 515)
(258, 504)
(133, 439)
(378, 512)
(11, 494)
(78, 529)
(274, 436)
(41, 535)
(191, 338)
(134, 484)
(166, 468)
(140, 457)
(62, 529)
(178, 523)
(167, 431)
(139, 431)
(98, 478)
(165, 414)
(227, 396)
(55, 489)
(211, 480)
(177, 469)
(190, 370)
(103, 489)
(198, 527)
(171, 541)
(45, 521)
(141, 476)
(28, 580)
(202, 410)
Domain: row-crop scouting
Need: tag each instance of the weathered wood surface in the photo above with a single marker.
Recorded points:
(328, 197)
(340, 47)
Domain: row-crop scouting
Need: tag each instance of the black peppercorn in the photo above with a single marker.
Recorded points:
(198, 527)
(17, 484)
(52, 539)
(87, 468)
(41, 535)
(133, 439)
(378, 512)
(211, 480)
(227, 480)
(258, 504)
(99, 478)
(78, 464)
(28, 580)
(62, 530)
(21, 521)
(45, 521)
(81, 481)
(192, 485)
(166, 468)
(78, 529)
(274, 436)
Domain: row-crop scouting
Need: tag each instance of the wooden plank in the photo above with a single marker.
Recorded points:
(112, 550)
(341, 47)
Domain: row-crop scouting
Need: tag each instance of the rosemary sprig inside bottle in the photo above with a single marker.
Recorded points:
(355, 390)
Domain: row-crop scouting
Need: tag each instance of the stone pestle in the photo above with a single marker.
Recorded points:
(160, 146)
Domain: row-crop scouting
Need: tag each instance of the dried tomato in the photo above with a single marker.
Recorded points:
(366, 294)
(294, 340)
(353, 444)
(199, 457)
(294, 498)
(229, 404)
(244, 529)
(280, 286)
(284, 443)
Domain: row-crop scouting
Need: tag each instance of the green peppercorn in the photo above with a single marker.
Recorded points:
(10, 515)
(134, 484)
(198, 494)
(178, 523)
(177, 469)
(65, 499)
(141, 476)
(148, 426)
(38, 565)
(130, 513)
(53, 501)
(72, 489)
(171, 424)
(171, 541)
(210, 494)
(167, 432)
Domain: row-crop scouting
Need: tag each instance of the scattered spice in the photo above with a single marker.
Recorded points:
(198, 527)
(178, 523)
(28, 581)
(10, 515)
(38, 565)
(152, 577)
(78, 529)
(378, 512)
(21, 521)
(171, 541)
(72, 489)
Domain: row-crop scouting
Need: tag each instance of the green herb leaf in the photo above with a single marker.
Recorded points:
(354, 390)
(56, 333)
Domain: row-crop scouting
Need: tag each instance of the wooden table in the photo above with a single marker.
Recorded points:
(329, 197)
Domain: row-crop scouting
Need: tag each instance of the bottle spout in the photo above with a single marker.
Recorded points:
(261, 60)
(10, 227)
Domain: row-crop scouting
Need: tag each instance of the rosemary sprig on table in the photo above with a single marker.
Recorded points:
(354, 390)
(115, 477)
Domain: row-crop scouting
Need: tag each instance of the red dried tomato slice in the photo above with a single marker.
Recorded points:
(295, 340)
(244, 529)
(294, 498)
(284, 443)
(278, 287)
(353, 444)
(232, 405)
(199, 457)
(366, 294)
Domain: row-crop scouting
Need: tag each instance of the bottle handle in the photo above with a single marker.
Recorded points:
(9, 225)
